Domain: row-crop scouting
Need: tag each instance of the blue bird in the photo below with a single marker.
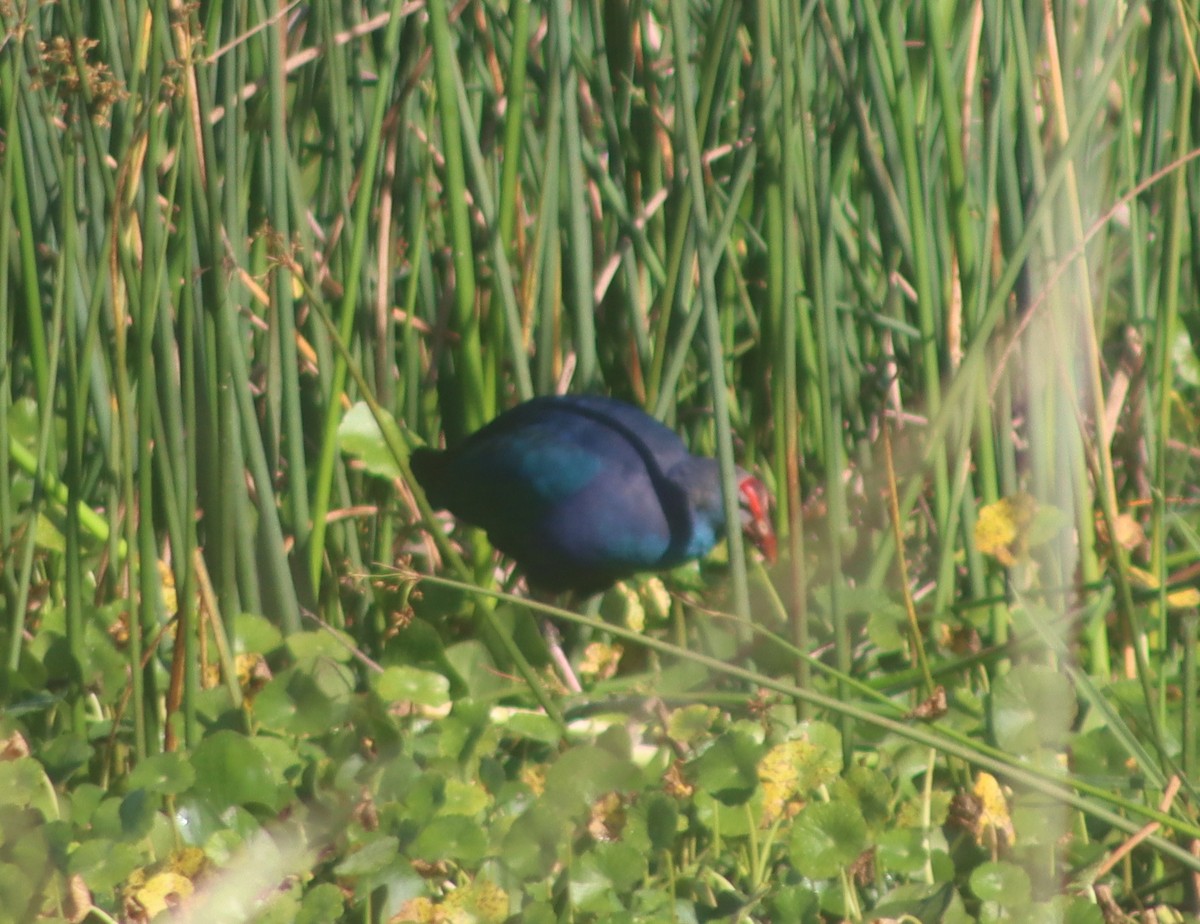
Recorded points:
(582, 491)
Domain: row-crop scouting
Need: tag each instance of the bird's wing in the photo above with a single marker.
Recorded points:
(629, 422)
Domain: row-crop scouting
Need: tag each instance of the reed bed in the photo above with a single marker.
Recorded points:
(930, 270)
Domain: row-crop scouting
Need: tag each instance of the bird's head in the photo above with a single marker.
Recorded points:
(755, 504)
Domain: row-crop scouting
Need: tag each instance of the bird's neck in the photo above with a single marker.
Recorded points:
(700, 480)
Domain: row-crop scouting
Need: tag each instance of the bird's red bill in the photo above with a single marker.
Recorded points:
(758, 526)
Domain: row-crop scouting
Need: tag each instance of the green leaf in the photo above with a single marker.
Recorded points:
(871, 789)
(137, 812)
(230, 770)
(728, 769)
(662, 820)
(736, 820)
(315, 644)
(1006, 884)
(23, 423)
(166, 774)
(359, 436)
(539, 913)
(1032, 706)
(887, 627)
(827, 837)
(81, 802)
(916, 902)
(282, 909)
(794, 903)
(306, 700)
(624, 866)
(399, 775)
(64, 755)
(464, 798)
(534, 726)
(23, 840)
(1184, 357)
(692, 723)
(592, 891)
(1047, 523)
(532, 844)
(322, 903)
(17, 892)
(1081, 911)
(256, 634)
(901, 850)
(411, 684)
(103, 864)
(333, 680)
(583, 774)
(49, 536)
(451, 837)
(282, 761)
(23, 782)
(820, 759)
(473, 664)
(197, 820)
(375, 855)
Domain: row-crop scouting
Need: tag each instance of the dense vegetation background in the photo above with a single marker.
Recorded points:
(929, 268)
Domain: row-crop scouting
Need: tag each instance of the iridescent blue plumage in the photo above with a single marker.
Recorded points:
(582, 491)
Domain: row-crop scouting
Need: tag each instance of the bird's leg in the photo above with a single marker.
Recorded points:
(553, 638)
(554, 643)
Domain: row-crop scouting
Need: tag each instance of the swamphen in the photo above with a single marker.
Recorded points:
(582, 491)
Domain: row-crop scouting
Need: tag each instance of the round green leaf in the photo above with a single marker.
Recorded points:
(692, 723)
(306, 700)
(916, 902)
(1081, 911)
(730, 820)
(103, 864)
(624, 866)
(81, 802)
(137, 814)
(256, 634)
(64, 755)
(793, 903)
(583, 774)
(321, 903)
(165, 774)
(827, 837)
(16, 892)
(230, 770)
(24, 782)
(1006, 884)
(331, 679)
(320, 643)
(533, 843)
(728, 769)
(464, 798)
(281, 759)
(901, 850)
(23, 840)
(411, 684)
(370, 858)
(871, 789)
(451, 837)
(535, 726)
(1032, 706)
(592, 891)
(819, 761)
(662, 820)
(359, 436)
